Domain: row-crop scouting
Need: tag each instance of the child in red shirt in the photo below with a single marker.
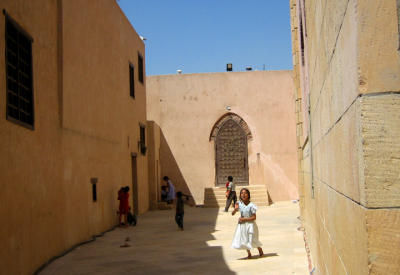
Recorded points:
(123, 197)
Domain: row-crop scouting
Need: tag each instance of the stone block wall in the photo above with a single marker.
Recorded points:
(349, 151)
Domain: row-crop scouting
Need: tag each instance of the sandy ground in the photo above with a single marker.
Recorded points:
(157, 246)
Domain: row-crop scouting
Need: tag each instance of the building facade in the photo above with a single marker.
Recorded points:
(213, 125)
(347, 79)
(72, 123)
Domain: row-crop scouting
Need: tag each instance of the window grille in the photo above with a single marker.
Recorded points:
(19, 75)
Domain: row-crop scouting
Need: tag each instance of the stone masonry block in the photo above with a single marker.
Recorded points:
(343, 222)
(380, 130)
(383, 226)
(330, 261)
(341, 84)
(336, 157)
(331, 28)
(378, 44)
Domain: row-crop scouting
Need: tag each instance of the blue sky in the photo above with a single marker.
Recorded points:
(198, 36)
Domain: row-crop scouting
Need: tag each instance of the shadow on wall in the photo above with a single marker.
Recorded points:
(282, 188)
(200, 221)
(170, 168)
(210, 199)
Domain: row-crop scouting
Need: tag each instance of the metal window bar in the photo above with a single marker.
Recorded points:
(19, 75)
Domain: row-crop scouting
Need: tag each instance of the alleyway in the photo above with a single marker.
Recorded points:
(158, 247)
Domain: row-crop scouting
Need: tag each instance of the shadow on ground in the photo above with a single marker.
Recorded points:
(255, 257)
(156, 246)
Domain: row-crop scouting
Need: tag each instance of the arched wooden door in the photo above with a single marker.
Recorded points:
(231, 154)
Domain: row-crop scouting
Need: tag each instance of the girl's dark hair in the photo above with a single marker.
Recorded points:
(230, 178)
(126, 189)
(179, 194)
(247, 190)
(165, 178)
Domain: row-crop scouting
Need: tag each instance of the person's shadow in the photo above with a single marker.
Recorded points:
(255, 257)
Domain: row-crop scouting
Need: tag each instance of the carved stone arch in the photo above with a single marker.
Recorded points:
(217, 126)
(231, 134)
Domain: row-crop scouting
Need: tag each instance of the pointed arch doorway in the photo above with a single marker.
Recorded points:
(230, 135)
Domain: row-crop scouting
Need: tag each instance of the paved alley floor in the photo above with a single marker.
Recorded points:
(158, 247)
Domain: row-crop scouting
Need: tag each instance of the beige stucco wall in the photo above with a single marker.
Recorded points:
(154, 168)
(106, 110)
(186, 107)
(351, 156)
(86, 125)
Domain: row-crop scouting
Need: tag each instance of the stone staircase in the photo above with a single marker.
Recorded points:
(162, 205)
(215, 197)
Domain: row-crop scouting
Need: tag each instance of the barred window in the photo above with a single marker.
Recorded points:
(141, 68)
(19, 75)
(142, 140)
(132, 80)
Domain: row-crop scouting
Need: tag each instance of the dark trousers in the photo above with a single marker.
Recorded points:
(231, 197)
(179, 220)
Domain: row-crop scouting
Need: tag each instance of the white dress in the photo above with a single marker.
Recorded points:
(246, 234)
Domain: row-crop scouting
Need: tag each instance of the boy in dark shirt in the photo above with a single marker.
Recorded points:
(179, 210)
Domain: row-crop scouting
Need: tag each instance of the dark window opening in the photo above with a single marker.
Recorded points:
(132, 80)
(19, 75)
(141, 69)
(302, 40)
(93, 181)
(142, 141)
(94, 192)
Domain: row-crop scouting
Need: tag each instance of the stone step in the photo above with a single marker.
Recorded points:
(223, 196)
(217, 190)
(238, 187)
(237, 192)
(252, 199)
(224, 201)
(162, 205)
(215, 196)
(223, 205)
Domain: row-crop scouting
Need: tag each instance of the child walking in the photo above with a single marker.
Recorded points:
(179, 210)
(246, 234)
(230, 193)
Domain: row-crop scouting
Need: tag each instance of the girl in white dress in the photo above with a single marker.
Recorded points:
(246, 234)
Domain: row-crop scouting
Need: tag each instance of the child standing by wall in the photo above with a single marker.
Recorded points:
(123, 197)
(246, 234)
(171, 190)
(179, 210)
